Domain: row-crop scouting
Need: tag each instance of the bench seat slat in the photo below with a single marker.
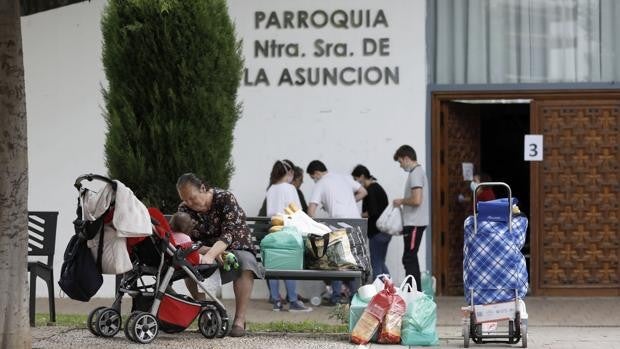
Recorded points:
(313, 274)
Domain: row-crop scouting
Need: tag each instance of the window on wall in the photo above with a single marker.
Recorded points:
(524, 41)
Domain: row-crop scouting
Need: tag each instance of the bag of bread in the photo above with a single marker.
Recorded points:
(390, 327)
(368, 324)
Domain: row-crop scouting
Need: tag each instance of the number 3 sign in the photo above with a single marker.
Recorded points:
(533, 148)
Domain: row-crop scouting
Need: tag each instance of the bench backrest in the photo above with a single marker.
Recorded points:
(259, 226)
(42, 234)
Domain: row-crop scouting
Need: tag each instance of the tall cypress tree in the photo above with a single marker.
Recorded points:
(173, 68)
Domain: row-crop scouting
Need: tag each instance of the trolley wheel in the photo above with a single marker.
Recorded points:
(209, 322)
(523, 328)
(466, 330)
(91, 321)
(107, 322)
(142, 327)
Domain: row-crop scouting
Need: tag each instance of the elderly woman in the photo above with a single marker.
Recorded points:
(219, 222)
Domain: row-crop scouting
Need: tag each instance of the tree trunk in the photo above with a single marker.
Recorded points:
(14, 325)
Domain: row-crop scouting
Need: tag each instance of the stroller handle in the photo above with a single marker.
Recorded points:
(89, 177)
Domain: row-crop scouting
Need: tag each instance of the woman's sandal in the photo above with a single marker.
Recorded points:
(237, 331)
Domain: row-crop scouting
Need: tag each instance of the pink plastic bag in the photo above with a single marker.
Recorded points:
(390, 328)
(373, 315)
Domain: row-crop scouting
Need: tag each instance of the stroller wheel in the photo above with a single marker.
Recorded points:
(128, 326)
(107, 322)
(224, 328)
(143, 327)
(91, 323)
(210, 322)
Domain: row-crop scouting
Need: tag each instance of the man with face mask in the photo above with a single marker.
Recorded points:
(337, 193)
(416, 211)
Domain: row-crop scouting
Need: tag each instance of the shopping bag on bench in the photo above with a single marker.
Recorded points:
(316, 252)
(341, 249)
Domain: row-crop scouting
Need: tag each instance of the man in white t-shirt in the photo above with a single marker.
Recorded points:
(416, 211)
(338, 194)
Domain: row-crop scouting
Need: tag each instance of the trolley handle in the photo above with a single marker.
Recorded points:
(475, 202)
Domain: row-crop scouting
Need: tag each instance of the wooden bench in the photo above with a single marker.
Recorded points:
(260, 228)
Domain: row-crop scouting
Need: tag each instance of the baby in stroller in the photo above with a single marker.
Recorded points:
(181, 225)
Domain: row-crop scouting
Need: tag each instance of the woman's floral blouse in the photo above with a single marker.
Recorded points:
(225, 221)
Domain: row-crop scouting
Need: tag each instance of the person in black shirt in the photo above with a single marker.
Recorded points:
(372, 206)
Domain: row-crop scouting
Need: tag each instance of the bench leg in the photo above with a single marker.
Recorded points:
(33, 290)
(50, 295)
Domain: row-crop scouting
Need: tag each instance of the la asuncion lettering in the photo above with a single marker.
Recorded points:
(326, 76)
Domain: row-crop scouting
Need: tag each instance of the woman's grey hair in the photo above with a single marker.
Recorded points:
(190, 179)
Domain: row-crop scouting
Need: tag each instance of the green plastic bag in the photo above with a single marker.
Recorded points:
(420, 323)
(427, 284)
(283, 250)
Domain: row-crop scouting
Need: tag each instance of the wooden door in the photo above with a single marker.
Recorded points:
(575, 237)
(457, 133)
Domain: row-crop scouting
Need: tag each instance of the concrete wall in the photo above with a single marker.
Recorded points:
(342, 125)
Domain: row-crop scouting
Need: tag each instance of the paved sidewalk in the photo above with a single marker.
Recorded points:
(554, 323)
(543, 311)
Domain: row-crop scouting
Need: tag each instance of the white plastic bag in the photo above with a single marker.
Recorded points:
(305, 224)
(409, 292)
(391, 221)
(379, 283)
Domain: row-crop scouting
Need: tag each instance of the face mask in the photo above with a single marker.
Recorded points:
(473, 185)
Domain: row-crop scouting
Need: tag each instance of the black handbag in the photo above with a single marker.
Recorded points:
(80, 276)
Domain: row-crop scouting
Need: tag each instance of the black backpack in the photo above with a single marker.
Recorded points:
(80, 275)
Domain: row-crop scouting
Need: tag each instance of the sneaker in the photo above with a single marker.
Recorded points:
(298, 307)
(277, 306)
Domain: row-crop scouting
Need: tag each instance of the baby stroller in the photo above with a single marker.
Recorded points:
(156, 263)
(494, 272)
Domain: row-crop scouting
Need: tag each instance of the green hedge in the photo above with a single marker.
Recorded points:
(173, 69)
